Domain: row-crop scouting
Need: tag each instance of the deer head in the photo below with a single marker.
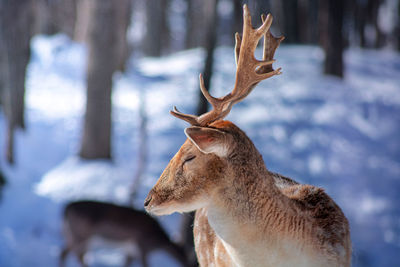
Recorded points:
(204, 162)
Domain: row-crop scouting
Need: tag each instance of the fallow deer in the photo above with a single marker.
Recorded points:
(133, 230)
(245, 214)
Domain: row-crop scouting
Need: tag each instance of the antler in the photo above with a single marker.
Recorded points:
(249, 70)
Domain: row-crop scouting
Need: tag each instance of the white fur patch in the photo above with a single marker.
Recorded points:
(173, 206)
(260, 252)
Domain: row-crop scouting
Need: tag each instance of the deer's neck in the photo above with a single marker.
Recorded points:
(251, 199)
(246, 211)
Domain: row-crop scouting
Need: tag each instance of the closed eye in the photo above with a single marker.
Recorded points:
(188, 159)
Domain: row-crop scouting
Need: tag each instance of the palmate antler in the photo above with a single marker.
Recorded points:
(249, 70)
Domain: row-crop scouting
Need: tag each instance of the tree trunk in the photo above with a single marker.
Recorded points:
(123, 17)
(211, 41)
(360, 20)
(82, 21)
(143, 149)
(312, 18)
(3, 182)
(373, 10)
(331, 23)
(257, 8)
(398, 26)
(187, 237)
(290, 10)
(237, 17)
(303, 21)
(124, 12)
(156, 37)
(54, 16)
(102, 62)
(15, 35)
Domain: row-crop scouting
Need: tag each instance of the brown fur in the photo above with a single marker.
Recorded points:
(258, 207)
(85, 220)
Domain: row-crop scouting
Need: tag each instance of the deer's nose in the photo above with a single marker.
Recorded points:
(147, 200)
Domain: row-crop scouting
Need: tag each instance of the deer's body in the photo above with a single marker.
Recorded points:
(246, 215)
(259, 218)
(86, 222)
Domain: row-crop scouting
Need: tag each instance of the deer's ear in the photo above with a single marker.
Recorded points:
(209, 140)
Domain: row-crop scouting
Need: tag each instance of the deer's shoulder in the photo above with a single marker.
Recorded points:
(318, 206)
(307, 197)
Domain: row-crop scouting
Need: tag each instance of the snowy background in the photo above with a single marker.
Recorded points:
(342, 135)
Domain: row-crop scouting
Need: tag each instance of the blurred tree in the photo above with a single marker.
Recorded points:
(297, 20)
(360, 20)
(102, 63)
(82, 21)
(365, 19)
(143, 149)
(290, 12)
(278, 13)
(373, 12)
(157, 30)
(397, 30)
(237, 17)
(3, 182)
(258, 7)
(307, 20)
(194, 24)
(52, 17)
(331, 35)
(15, 33)
(211, 21)
(123, 17)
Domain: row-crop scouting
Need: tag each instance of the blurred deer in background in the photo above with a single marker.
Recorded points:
(134, 230)
(247, 215)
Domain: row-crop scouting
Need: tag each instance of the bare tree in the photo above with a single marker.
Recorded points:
(123, 10)
(83, 18)
(290, 8)
(143, 152)
(331, 35)
(194, 24)
(124, 15)
(102, 62)
(237, 18)
(397, 30)
(15, 35)
(157, 32)
(54, 16)
(3, 182)
(373, 10)
(366, 14)
(210, 17)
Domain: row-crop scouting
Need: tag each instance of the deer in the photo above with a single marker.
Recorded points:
(245, 214)
(134, 230)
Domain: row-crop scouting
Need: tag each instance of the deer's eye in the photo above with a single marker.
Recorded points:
(188, 159)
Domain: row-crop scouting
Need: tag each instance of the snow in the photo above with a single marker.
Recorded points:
(342, 135)
(90, 179)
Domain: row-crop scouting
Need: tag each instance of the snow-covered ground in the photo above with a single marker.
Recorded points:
(342, 135)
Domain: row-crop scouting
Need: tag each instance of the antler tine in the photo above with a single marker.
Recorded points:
(266, 24)
(192, 119)
(271, 43)
(212, 100)
(249, 71)
(238, 42)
